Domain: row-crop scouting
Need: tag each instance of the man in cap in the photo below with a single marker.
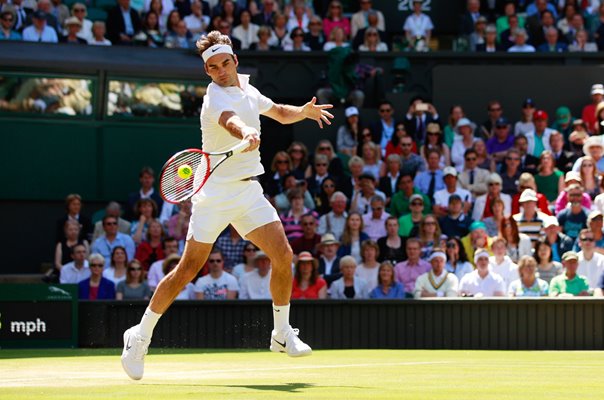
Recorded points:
(502, 140)
(570, 283)
(374, 222)
(525, 125)
(530, 219)
(334, 221)
(574, 217)
(476, 239)
(595, 148)
(588, 114)
(441, 198)
(51, 19)
(455, 223)
(538, 140)
(527, 181)
(255, 285)
(473, 178)
(407, 272)
(482, 205)
(564, 121)
(399, 205)
(329, 262)
(564, 159)
(40, 31)
(431, 180)
(482, 282)
(437, 282)
(591, 262)
(559, 242)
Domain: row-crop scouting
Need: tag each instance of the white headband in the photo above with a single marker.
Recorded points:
(438, 254)
(216, 49)
(482, 253)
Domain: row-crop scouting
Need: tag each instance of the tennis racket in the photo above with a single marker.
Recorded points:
(185, 173)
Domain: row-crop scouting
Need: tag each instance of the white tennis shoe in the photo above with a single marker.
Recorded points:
(133, 355)
(289, 342)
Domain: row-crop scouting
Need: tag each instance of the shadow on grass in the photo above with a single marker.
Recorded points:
(296, 387)
(6, 354)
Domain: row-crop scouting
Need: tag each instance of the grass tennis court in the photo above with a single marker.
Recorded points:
(327, 374)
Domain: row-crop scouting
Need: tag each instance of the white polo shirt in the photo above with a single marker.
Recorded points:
(473, 284)
(248, 103)
(255, 287)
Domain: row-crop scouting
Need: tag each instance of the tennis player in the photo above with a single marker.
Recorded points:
(230, 113)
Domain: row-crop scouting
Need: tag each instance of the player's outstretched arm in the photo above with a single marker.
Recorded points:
(287, 114)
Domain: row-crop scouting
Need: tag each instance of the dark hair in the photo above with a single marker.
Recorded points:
(313, 275)
(72, 249)
(386, 264)
(140, 202)
(169, 26)
(520, 136)
(106, 217)
(515, 233)
(146, 170)
(146, 20)
(463, 257)
(113, 254)
(470, 151)
(542, 242)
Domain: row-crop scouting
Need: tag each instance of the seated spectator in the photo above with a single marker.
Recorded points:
(335, 168)
(78, 269)
(314, 38)
(482, 282)
(118, 266)
(161, 12)
(96, 287)
(348, 133)
(7, 22)
(349, 286)
(350, 185)
(593, 147)
(473, 179)
(394, 145)
(372, 41)
(441, 197)
(217, 284)
(178, 224)
(401, 200)
(280, 36)
(263, 43)
(298, 154)
(63, 250)
(407, 272)
(255, 285)
(549, 180)
(372, 159)
(457, 260)
(39, 31)
(546, 266)
(570, 283)
(367, 270)
(298, 18)
(231, 246)
(538, 140)
(391, 246)
(476, 239)
(388, 184)
(497, 208)
(337, 38)
(273, 181)
(188, 292)
(432, 179)
(174, 18)
(374, 222)
(151, 35)
(483, 158)
(559, 242)
(464, 140)
(490, 44)
(528, 285)
(581, 43)
(455, 223)
(146, 178)
(78, 10)
(573, 218)
(290, 183)
(510, 172)
(316, 178)
(335, 220)
(249, 256)
(73, 206)
(456, 113)
(98, 35)
(502, 140)
(335, 19)
(552, 42)
(418, 28)
(435, 141)
(526, 181)
(113, 209)
(501, 263)
(151, 249)
(292, 219)
(591, 181)
(412, 162)
(296, 42)
(197, 23)
(437, 282)
(307, 283)
(362, 18)
(105, 244)
(181, 38)
(134, 286)
(520, 45)
(362, 198)
(145, 211)
(591, 262)
(156, 271)
(329, 262)
(478, 37)
(525, 124)
(309, 239)
(564, 159)
(265, 17)
(73, 26)
(372, 21)
(529, 219)
(123, 23)
(409, 223)
(387, 287)
(468, 19)
(483, 205)
(429, 234)
(352, 237)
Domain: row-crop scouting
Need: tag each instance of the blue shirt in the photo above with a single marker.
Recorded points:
(396, 292)
(422, 181)
(127, 22)
(104, 248)
(12, 36)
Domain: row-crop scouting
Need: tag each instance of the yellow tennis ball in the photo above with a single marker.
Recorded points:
(185, 171)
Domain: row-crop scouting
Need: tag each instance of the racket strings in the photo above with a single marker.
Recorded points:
(176, 188)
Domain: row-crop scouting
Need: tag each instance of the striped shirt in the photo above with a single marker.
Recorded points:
(532, 228)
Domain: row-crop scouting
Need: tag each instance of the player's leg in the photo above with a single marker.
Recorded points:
(271, 239)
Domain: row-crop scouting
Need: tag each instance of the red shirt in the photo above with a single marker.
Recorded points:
(311, 292)
(147, 255)
(94, 293)
(542, 204)
(589, 117)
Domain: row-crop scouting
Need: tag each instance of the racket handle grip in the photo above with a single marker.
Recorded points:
(240, 147)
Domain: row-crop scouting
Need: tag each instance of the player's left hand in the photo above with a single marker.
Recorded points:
(317, 112)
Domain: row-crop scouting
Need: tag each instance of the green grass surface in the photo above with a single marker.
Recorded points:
(335, 374)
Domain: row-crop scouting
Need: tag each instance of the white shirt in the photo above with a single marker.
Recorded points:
(458, 151)
(246, 36)
(473, 284)
(418, 25)
(441, 197)
(104, 42)
(248, 103)
(109, 273)
(197, 24)
(155, 274)
(71, 274)
(86, 31)
(216, 289)
(48, 35)
(255, 287)
(369, 275)
(527, 48)
(592, 269)
(507, 269)
(188, 293)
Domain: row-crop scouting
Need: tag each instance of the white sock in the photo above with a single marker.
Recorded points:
(281, 317)
(148, 323)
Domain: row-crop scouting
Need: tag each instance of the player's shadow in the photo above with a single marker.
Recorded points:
(286, 387)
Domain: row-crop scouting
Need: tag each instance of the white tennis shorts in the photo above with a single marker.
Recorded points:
(240, 203)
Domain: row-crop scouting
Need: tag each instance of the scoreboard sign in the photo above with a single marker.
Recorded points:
(33, 315)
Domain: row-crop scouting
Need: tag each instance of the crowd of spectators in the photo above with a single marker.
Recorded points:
(412, 204)
(303, 25)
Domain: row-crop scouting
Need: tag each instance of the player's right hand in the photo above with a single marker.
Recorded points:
(251, 135)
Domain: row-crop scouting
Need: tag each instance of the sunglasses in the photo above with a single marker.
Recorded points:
(587, 165)
(372, 34)
(417, 203)
(471, 159)
(385, 110)
(406, 144)
(97, 265)
(495, 109)
(587, 239)
(78, 10)
(429, 223)
(324, 148)
(493, 184)
(512, 159)
(9, 19)
(215, 261)
(321, 165)
(282, 162)
(110, 223)
(134, 269)
(451, 245)
(296, 150)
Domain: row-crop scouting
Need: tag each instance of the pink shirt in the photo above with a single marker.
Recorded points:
(407, 275)
(562, 201)
(329, 24)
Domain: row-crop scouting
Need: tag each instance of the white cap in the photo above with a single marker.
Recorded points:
(597, 88)
(449, 171)
(550, 221)
(528, 195)
(495, 178)
(350, 111)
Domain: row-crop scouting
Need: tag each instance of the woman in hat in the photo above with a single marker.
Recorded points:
(73, 26)
(349, 132)
(387, 287)
(307, 282)
(435, 140)
(349, 286)
(79, 11)
(464, 141)
(134, 287)
(546, 266)
(352, 237)
(549, 180)
(518, 244)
